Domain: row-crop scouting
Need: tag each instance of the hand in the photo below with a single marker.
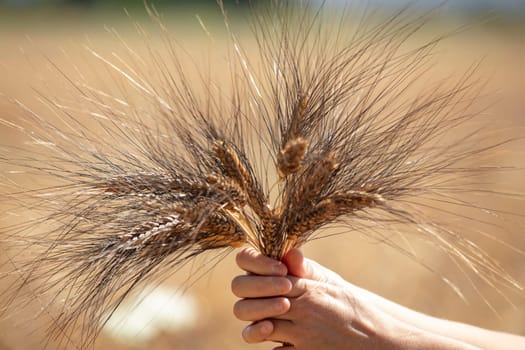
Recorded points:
(301, 303)
(310, 308)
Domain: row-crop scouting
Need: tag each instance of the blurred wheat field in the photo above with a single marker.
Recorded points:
(25, 63)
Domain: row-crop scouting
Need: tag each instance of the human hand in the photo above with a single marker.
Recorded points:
(300, 302)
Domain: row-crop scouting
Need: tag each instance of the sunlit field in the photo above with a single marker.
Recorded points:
(36, 54)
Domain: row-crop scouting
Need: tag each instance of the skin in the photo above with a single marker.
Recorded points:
(305, 306)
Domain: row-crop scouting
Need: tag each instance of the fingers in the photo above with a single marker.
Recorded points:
(284, 331)
(270, 330)
(252, 286)
(259, 309)
(257, 332)
(278, 307)
(254, 262)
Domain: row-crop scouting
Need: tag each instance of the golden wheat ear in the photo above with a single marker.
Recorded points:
(316, 124)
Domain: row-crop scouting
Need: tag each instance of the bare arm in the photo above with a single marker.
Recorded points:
(482, 338)
(304, 304)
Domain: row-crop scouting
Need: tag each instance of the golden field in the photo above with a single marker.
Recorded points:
(25, 55)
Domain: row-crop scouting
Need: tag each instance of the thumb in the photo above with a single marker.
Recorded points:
(301, 267)
(298, 266)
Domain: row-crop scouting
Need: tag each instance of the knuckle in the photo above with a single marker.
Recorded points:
(281, 306)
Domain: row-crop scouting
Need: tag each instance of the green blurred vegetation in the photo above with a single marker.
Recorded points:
(35, 4)
(43, 16)
(79, 14)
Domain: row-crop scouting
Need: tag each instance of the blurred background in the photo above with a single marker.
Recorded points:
(34, 33)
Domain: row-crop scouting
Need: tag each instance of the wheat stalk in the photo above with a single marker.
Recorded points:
(167, 173)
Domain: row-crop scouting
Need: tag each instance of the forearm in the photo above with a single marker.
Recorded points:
(419, 339)
(478, 337)
(483, 338)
